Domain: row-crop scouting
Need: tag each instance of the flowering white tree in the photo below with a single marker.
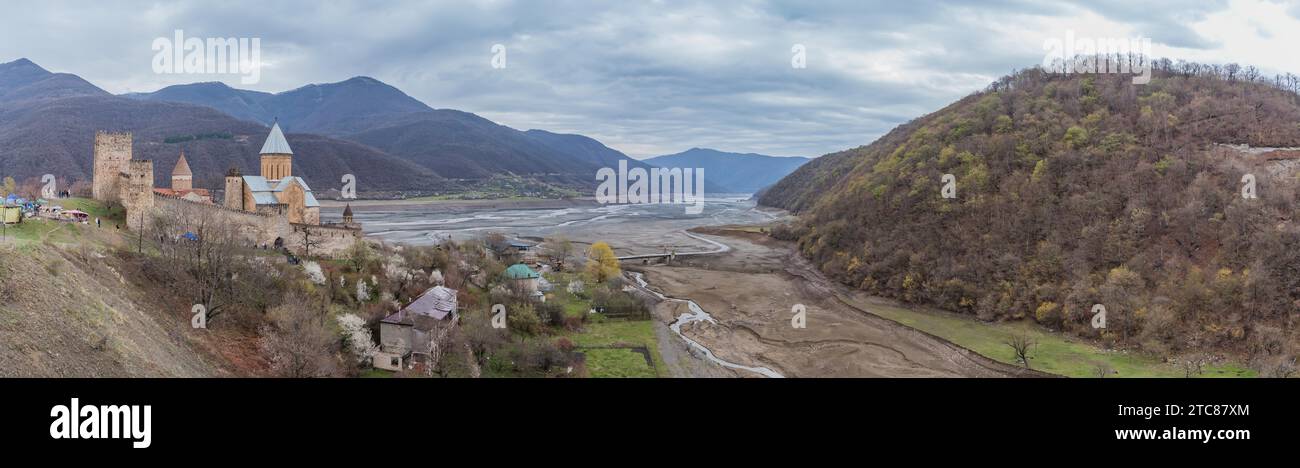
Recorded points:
(314, 272)
(363, 293)
(358, 337)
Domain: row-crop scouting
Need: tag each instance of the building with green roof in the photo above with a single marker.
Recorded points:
(522, 278)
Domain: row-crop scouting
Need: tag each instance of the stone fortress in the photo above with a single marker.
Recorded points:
(274, 209)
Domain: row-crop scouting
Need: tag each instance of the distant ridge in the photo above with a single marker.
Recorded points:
(449, 142)
(740, 172)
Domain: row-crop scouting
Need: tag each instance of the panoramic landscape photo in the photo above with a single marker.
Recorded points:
(669, 189)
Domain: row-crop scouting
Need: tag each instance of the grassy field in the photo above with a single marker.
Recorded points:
(1054, 352)
(38, 230)
(600, 331)
(620, 362)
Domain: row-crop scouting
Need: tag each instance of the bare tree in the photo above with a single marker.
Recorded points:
(1193, 364)
(1021, 344)
(475, 371)
(308, 240)
(480, 338)
(207, 252)
(1285, 368)
(297, 342)
(1102, 369)
(558, 250)
(441, 341)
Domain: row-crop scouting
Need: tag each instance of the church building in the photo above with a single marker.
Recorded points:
(276, 189)
(183, 184)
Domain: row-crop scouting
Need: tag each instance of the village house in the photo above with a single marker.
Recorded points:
(406, 335)
(521, 278)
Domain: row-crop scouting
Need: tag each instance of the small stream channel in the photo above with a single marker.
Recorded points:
(697, 314)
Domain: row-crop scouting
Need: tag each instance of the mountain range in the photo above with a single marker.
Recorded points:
(362, 126)
(48, 123)
(449, 142)
(739, 173)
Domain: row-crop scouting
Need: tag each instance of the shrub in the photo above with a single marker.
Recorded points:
(564, 344)
(539, 355)
(523, 319)
(1048, 313)
(551, 313)
(615, 303)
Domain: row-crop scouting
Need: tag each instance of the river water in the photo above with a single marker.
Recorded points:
(629, 228)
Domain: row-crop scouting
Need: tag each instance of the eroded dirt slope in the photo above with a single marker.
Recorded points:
(67, 312)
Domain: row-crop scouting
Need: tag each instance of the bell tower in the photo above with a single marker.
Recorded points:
(234, 190)
(277, 158)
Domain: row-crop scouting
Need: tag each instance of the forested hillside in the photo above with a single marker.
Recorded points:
(1076, 190)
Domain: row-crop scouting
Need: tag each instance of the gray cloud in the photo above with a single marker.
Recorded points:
(646, 78)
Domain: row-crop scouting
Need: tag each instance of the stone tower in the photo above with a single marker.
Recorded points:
(112, 153)
(138, 196)
(277, 158)
(347, 214)
(234, 189)
(182, 178)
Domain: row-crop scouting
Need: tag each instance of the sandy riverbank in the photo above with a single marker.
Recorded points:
(459, 205)
(750, 291)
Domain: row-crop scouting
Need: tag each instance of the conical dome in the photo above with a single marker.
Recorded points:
(182, 168)
(275, 142)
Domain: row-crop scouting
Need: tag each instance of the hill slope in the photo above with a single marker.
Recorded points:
(71, 313)
(745, 173)
(1073, 191)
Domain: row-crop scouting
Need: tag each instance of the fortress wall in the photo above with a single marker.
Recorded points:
(256, 228)
(332, 240)
(118, 178)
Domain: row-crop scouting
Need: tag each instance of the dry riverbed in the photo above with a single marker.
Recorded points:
(750, 291)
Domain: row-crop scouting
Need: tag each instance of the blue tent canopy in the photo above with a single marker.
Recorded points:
(190, 236)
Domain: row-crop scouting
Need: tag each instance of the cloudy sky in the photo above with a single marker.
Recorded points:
(652, 77)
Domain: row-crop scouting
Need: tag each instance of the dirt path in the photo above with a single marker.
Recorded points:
(750, 291)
